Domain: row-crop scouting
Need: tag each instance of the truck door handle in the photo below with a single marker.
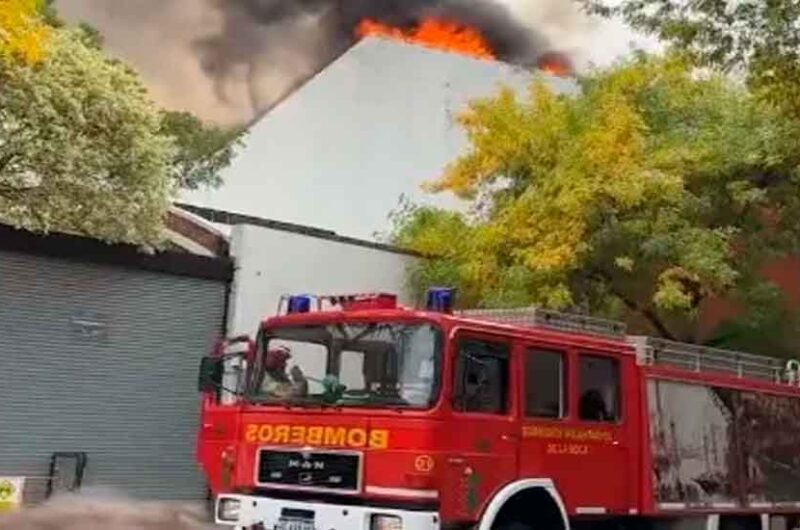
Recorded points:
(455, 461)
(508, 437)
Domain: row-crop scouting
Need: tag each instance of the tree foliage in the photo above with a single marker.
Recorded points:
(646, 195)
(760, 38)
(80, 146)
(23, 34)
(202, 151)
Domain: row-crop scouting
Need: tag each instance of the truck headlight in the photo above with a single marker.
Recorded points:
(228, 509)
(386, 522)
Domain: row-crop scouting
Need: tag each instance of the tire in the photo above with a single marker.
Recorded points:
(513, 525)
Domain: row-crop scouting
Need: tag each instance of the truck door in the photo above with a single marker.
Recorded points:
(576, 422)
(485, 431)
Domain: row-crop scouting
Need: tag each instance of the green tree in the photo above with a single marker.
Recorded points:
(81, 148)
(202, 151)
(757, 38)
(649, 193)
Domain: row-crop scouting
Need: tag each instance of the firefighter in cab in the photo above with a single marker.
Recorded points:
(277, 383)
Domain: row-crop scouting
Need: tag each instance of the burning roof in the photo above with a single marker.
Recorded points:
(479, 28)
(434, 33)
(231, 60)
(452, 36)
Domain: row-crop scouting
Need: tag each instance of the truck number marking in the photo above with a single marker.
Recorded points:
(568, 449)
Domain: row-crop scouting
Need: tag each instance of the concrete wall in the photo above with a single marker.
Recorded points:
(272, 262)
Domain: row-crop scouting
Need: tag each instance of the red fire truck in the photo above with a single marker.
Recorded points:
(351, 413)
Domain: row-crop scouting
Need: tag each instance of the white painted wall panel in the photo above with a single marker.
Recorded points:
(271, 263)
(377, 123)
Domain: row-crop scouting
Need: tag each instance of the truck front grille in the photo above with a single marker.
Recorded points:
(325, 471)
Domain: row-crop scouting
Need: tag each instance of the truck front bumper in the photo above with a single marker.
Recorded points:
(257, 513)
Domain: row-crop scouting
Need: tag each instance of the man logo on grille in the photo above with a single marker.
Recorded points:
(305, 478)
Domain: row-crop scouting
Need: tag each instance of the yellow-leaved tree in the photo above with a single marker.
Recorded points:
(23, 34)
(650, 192)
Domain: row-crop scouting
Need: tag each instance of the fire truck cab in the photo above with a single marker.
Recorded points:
(351, 413)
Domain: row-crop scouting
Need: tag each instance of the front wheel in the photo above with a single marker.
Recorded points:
(513, 525)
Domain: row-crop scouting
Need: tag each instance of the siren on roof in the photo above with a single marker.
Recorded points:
(299, 304)
(441, 299)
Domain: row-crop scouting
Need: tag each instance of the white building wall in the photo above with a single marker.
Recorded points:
(271, 263)
(374, 125)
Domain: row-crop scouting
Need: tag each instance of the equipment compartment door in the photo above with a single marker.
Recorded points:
(485, 433)
(578, 408)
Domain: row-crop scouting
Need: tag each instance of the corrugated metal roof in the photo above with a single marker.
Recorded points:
(374, 125)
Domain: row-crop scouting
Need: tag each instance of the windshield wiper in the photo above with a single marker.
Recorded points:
(394, 403)
(286, 402)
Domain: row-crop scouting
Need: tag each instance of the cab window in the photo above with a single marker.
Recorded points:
(481, 377)
(599, 390)
(545, 384)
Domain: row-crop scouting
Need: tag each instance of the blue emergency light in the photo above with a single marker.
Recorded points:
(441, 299)
(299, 304)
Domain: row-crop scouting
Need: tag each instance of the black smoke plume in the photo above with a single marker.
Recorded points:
(254, 29)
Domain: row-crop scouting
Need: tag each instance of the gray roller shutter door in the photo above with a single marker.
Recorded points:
(103, 359)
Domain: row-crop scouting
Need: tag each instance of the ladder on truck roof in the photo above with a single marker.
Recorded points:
(649, 350)
(534, 317)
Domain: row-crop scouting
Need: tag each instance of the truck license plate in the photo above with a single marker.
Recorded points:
(294, 524)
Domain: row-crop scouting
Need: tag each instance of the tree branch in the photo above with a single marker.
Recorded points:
(631, 304)
(6, 160)
(647, 313)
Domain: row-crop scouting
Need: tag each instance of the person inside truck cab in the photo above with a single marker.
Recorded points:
(277, 383)
(593, 407)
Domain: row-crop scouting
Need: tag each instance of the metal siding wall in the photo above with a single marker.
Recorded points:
(126, 397)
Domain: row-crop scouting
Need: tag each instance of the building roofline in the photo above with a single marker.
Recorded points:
(87, 250)
(301, 82)
(202, 222)
(232, 218)
(297, 86)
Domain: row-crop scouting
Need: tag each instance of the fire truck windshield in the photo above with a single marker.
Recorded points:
(355, 365)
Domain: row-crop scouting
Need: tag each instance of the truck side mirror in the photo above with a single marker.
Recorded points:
(210, 376)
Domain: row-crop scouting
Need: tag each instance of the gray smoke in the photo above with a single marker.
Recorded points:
(249, 24)
(228, 60)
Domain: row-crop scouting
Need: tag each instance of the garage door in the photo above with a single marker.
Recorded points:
(102, 359)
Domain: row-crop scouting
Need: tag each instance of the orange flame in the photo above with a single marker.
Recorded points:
(556, 64)
(433, 33)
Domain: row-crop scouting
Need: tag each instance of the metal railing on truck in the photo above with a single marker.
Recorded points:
(650, 351)
(704, 359)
